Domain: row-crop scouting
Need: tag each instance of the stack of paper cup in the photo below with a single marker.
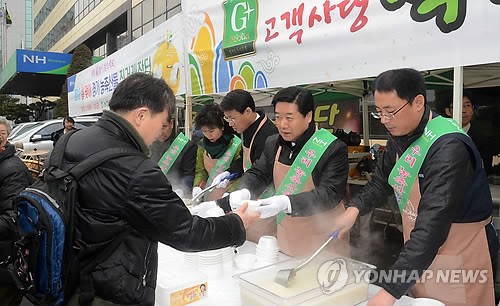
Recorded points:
(267, 250)
(191, 259)
(227, 257)
(210, 263)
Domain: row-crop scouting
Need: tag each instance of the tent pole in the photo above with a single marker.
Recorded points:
(366, 121)
(458, 86)
(189, 117)
(188, 120)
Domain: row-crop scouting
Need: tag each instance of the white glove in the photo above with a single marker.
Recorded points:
(238, 196)
(179, 192)
(274, 205)
(196, 191)
(218, 180)
(202, 208)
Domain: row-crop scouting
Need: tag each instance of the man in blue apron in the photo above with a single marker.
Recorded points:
(436, 173)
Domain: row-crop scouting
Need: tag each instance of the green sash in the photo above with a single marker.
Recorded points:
(304, 164)
(170, 156)
(405, 172)
(224, 162)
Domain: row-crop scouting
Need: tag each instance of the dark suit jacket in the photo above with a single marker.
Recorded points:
(481, 140)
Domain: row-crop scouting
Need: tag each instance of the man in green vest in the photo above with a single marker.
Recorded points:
(436, 174)
(308, 169)
(176, 156)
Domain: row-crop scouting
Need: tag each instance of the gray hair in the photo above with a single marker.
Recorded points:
(4, 121)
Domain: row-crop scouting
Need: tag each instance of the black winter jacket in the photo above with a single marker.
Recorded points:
(132, 193)
(14, 177)
(329, 175)
(447, 179)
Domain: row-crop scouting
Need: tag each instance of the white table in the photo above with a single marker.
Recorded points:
(225, 290)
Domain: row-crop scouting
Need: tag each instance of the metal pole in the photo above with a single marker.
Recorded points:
(188, 120)
(366, 120)
(458, 84)
(189, 117)
(3, 34)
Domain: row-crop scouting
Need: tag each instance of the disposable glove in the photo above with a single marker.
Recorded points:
(201, 209)
(274, 205)
(218, 180)
(238, 196)
(196, 191)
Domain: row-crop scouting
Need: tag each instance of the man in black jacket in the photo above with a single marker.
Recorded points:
(253, 126)
(436, 173)
(14, 177)
(181, 173)
(131, 194)
(324, 188)
(476, 132)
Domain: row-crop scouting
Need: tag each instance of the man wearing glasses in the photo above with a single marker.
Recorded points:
(308, 168)
(254, 127)
(436, 173)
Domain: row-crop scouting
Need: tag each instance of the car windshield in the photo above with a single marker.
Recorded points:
(25, 132)
(21, 128)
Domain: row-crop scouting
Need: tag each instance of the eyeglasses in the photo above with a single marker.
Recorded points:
(230, 120)
(388, 116)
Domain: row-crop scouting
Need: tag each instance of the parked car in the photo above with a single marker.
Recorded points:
(21, 128)
(38, 138)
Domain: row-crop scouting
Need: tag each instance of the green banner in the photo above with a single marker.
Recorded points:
(170, 156)
(405, 172)
(304, 164)
(240, 28)
(225, 161)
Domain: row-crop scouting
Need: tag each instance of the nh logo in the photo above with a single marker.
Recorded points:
(429, 133)
(320, 141)
(34, 59)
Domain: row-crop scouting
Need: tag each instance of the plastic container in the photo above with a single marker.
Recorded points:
(181, 287)
(257, 287)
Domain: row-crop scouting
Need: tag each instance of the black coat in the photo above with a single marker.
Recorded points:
(483, 143)
(259, 143)
(14, 177)
(131, 192)
(329, 175)
(452, 190)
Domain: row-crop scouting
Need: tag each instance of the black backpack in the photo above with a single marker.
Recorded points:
(46, 260)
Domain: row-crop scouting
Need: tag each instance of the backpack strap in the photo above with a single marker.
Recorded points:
(96, 159)
(57, 154)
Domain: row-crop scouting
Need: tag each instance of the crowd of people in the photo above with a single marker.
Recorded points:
(297, 172)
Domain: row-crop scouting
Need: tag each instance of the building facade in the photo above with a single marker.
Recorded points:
(18, 34)
(103, 25)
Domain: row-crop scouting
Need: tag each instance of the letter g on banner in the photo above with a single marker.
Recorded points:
(332, 275)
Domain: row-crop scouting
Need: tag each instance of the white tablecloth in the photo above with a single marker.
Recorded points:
(225, 290)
